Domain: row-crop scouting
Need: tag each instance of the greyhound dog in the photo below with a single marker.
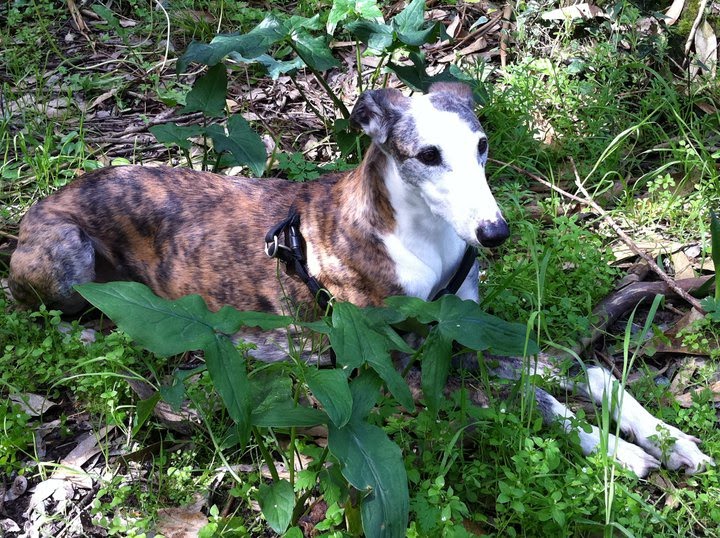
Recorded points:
(399, 224)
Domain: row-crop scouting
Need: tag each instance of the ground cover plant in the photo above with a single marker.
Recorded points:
(600, 117)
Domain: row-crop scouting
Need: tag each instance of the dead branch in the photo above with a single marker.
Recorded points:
(587, 201)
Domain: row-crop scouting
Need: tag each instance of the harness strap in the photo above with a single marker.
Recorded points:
(461, 273)
(292, 254)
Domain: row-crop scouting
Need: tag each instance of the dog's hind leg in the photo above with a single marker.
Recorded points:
(646, 431)
(53, 255)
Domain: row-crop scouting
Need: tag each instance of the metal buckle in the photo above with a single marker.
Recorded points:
(271, 247)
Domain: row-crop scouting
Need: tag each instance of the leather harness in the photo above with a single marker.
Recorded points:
(291, 252)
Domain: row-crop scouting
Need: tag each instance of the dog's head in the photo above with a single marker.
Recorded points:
(439, 149)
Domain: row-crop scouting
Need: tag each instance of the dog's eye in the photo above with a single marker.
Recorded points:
(429, 156)
(482, 146)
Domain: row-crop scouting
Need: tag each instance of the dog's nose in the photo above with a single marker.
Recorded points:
(493, 233)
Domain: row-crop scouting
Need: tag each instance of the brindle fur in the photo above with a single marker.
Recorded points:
(180, 231)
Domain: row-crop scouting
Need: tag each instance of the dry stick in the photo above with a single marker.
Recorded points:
(507, 12)
(9, 236)
(630, 243)
(623, 236)
(696, 23)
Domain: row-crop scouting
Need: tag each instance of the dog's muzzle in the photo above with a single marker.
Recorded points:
(493, 233)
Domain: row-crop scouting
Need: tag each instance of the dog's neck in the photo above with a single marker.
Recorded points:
(423, 247)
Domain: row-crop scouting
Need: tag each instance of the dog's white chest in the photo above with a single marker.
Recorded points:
(424, 261)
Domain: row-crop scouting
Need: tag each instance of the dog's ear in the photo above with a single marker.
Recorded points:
(460, 91)
(376, 111)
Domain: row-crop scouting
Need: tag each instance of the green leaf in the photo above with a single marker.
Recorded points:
(168, 327)
(314, 51)
(410, 18)
(164, 327)
(289, 416)
(251, 45)
(715, 246)
(342, 9)
(208, 93)
(228, 372)
(272, 402)
(171, 327)
(144, 409)
(331, 388)
(373, 464)
(363, 337)
(365, 390)
(172, 133)
(174, 393)
(377, 36)
(273, 67)
(416, 75)
(436, 358)
(244, 144)
(277, 502)
(466, 323)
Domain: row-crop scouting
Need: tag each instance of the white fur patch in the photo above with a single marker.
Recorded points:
(458, 191)
(425, 249)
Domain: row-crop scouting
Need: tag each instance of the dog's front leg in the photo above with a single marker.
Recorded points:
(638, 424)
(628, 455)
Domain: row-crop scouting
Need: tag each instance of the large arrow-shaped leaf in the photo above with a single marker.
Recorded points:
(373, 464)
(465, 323)
(250, 45)
(362, 337)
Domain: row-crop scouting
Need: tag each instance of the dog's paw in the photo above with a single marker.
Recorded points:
(676, 449)
(634, 458)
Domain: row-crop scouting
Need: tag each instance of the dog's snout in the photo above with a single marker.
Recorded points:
(493, 233)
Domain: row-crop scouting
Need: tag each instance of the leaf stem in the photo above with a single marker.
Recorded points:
(265, 454)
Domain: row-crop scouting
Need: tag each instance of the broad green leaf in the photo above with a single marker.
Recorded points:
(228, 372)
(174, 393)
(144, 409)
(342, 9)
(168, 327)
(373, 464)
(273, 67)
(377, 36)
(290, 416)
(270, 387)
(314, 51)
(208, 93)
(715, 248)
(272, 401)
(298, 22)
(172, 133)
(365, 390)
(277, 502)
(357, 335)
(416, 75)
(411, 18)
(244, 144)
(171, 327)
(163, 327)
(466, 323)
(331, 388)
(436, 358)
(251, 45)
(363, 337)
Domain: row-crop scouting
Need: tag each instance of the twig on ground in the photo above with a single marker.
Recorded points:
(671, 284)
(507, 12)
(696, 23)
(631, 244)
(9, 236)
